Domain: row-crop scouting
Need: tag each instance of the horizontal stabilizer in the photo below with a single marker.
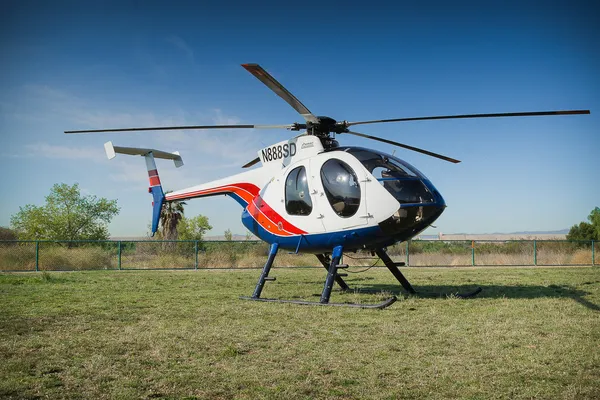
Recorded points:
(136, 151)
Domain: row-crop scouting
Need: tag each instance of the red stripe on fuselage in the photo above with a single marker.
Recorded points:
(259, 204)
(246, 191)
(267, 224)
(268, 218)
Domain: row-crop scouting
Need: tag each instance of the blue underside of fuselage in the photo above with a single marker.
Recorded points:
(352, 239)
(372, 237)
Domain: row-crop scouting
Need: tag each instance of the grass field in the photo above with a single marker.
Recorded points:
(531, 333)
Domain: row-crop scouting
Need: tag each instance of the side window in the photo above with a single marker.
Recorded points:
(341, 187)
(297, 197)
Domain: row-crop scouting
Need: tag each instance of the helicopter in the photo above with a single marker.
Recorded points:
(313, 195)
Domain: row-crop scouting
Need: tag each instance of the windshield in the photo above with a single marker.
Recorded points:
(401, 179)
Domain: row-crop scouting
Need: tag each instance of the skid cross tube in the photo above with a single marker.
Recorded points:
(265, 271)
(338, 279)
(392, 266)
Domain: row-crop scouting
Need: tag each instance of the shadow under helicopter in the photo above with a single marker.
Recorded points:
(362, 285)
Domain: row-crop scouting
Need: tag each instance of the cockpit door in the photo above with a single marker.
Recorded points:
(301, 199)
(341, 190)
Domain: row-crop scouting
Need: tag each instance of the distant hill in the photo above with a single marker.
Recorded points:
(524, 235)
(559, 232)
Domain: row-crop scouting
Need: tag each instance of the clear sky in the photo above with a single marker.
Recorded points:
(76, 65)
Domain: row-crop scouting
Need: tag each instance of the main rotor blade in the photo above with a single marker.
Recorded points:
(429, 153)
(167, 128)
(282, 92)
(251, 163)
(494, 115)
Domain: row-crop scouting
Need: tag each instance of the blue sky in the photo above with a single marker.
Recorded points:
(72, 65)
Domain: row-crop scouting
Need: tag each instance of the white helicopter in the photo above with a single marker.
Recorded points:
(312, 195)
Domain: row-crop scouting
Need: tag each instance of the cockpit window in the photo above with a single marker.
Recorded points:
(393, 166)
(297, 198)
(341, 187)
(401, 180)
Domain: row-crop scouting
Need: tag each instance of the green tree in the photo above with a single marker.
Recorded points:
(193, 228)
(67, 215)
(594, 219)
(585, 230)
(228, 235)
(582, 231)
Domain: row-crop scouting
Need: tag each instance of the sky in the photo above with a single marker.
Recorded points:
(68, 65)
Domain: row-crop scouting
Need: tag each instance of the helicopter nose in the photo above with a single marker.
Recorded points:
(412, 218)
(438, 200)
(408, 221)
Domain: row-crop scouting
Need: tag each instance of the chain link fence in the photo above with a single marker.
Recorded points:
(45, 255)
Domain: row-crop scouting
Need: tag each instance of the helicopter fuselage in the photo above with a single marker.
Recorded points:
(310, 199)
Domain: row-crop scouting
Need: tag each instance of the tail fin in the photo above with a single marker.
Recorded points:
(158, 196)
(155, 188)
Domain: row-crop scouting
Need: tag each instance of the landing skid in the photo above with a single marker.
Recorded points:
(332, 265)
(382, 305)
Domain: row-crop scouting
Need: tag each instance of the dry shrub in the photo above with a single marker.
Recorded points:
(17, 256)
(216, 259)
(582, 257)
(437, 259)
(161, 261)
(253, 260)
(76, 259)
(504, 259)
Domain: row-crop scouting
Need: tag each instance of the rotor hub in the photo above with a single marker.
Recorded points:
(323, 127)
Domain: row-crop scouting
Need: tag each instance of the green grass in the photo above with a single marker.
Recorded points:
(531, 333)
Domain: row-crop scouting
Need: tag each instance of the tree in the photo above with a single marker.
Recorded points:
(594, 219)
(585, 230)
(193, 228)
(228, 235)
(170, 216)
(67, 215)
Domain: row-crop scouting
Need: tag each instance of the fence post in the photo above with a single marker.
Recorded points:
(593, 254)
(472, 252)
(534, 252)
(119, 254)
(196, 255)
(407, 257)
(37, 256)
